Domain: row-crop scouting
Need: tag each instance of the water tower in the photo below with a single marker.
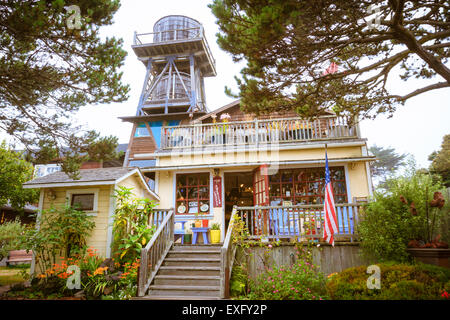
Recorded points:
(177, 58)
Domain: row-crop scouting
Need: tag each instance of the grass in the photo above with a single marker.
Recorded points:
(12, 274)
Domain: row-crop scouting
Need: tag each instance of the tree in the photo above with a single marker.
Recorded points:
(50, 66)
(288, 44)
(13, 172)
(440, 161)
(388, 161)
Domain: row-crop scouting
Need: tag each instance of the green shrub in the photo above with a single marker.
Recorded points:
(398, 282)
(10, 233)
(300, 281)
(388, 223)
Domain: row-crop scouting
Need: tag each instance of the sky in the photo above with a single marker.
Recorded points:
(416, 128)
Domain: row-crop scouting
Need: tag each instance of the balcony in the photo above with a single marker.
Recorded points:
(258, 132)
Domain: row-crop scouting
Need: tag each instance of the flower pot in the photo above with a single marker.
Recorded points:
(198, 224)
(205, 223)
(187, 238)
(215, 236)
(436, 256)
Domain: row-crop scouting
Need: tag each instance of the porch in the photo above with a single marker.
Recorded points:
(300, 222)
(292, 130)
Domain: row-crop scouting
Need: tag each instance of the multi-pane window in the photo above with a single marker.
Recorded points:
(192, 193)
(306, 186)
(83, 202)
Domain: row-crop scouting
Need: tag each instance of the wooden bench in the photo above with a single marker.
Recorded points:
(19, 256)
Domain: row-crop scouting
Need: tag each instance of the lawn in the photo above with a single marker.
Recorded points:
(12, 274)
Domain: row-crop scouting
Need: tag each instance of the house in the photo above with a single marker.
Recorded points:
(94, 192)
(211, 165)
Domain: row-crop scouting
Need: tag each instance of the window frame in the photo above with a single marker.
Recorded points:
(95, 192)
(199, 214)
(294, 182)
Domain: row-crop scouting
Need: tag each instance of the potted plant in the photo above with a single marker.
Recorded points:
(429, 248)
(187, 237)
(215, 233)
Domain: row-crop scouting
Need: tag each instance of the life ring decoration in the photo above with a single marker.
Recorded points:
(181, 208)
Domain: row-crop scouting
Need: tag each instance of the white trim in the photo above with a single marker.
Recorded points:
(95, 191)
(39, 213)
(126, 176)
(249, 148)
(153, 194)
(255, 164)
(347, 182)
(369, 179)
(68, 184)
(112, 208)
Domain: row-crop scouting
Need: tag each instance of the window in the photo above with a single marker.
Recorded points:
(83, 199)
(306, 186)
(192, 193)
(83, 202)
(141, 131)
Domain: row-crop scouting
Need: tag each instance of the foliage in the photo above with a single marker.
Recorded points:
(398, 282)
(130, 229)
(441, 161)
(300, 281)
(288, 44)
(62, 232)
(397, 215)
(388, 161)
(215, 226)
(49, 69)
(14, 171)
(10, 233)
(100, 279)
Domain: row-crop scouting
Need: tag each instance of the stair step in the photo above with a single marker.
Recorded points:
(189, 270)
(187, 291)
(192, 262)
(187, 280)
(197, 247)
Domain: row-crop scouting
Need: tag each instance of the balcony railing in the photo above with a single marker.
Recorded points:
(301, 221)
(258, 132)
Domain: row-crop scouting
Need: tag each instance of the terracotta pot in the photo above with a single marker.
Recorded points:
(436, 256)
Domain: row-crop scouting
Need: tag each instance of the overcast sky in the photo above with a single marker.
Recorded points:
(416, 128)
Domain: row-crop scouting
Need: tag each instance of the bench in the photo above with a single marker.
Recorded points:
(19, 256)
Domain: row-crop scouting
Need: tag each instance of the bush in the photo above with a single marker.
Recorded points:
(398, 215)
(398, 282)
(300, 281)
(10, 233)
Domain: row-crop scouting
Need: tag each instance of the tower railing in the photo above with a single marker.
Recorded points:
(168, 36)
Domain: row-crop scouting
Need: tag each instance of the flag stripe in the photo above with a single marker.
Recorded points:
(330, 223)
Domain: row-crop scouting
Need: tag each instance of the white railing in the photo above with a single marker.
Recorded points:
(156, 250)
(257, 132)
(227, 253)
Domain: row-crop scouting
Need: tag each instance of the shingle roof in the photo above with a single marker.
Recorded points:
(86, 175)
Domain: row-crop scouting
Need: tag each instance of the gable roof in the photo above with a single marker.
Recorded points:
(88, 177)
(217, 111)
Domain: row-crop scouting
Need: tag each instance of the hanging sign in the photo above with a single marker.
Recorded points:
(217, 192)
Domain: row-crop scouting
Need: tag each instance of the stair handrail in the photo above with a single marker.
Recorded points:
(153, 254)
(227, 253)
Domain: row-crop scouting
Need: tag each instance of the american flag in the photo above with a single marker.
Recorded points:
(333, 68)
(330, 211)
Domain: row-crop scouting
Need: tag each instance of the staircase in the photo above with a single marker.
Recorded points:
(189, 272)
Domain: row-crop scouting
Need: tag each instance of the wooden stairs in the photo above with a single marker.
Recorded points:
(189, 272)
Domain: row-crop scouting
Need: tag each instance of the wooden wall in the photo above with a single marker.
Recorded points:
(329, 259)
